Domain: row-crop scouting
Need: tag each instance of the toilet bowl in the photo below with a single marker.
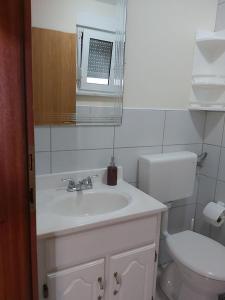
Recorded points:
(198, 268)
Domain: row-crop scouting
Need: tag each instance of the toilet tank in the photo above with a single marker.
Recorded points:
(168, 176)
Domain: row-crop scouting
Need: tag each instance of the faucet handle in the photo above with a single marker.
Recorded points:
(67, 179)
(94, 176)
(71, 182)
(88, 181)
(89, 178)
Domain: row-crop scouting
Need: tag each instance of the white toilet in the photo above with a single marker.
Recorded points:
(198, 268)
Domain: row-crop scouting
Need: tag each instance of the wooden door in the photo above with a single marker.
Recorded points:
(84, 282)
(18, 280)
(132, 274)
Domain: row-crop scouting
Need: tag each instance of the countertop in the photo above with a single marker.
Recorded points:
(50, 224)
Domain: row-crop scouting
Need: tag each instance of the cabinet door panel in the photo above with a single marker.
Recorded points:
(80, 283)
(54, 76)
(132, 274)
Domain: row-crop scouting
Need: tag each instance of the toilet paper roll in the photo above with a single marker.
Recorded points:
(214, 213)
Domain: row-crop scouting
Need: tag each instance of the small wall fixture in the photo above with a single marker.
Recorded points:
(201, 159)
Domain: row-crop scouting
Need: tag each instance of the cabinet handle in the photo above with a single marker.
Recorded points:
(118, 281)
(101, 288)
(117, 278)
(101, 283)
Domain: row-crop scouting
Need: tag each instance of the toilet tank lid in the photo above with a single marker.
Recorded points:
(198, 253)
(170, 155)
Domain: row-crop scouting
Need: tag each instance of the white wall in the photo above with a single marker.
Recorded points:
(64, 15)
(160, 43)
(159, 50)
(220, 20)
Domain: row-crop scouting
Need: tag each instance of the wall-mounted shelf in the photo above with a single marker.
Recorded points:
(211, 40)
(208, 81)
(207, 108)
(208, 77)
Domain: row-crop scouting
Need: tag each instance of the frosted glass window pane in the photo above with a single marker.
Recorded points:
(99, 61)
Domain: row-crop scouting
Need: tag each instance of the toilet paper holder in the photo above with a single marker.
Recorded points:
(214, 213)
(222, 217)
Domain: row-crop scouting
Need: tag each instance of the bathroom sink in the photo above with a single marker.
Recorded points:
(83, 204)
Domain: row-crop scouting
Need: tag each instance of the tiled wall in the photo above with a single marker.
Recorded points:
(212, 178)
(212, 175)
(143, 131)
(60, 149)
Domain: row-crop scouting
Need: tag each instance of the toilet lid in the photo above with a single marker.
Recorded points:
(198, 253)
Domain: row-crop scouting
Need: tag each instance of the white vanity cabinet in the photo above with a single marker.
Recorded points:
(111, 262)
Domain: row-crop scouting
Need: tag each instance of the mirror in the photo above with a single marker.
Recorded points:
(78, 61)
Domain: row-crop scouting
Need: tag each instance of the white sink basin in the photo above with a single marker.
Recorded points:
(88, 203)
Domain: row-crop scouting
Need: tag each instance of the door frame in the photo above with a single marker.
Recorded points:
(18, 257)
(30, 143)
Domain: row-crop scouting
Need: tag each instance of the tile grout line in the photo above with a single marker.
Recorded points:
(220, 154)
(198, 175)
(164, 128)
(51, 149)
(127, 147)
(114, 138)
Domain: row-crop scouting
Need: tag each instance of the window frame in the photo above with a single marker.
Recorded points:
(85, 34)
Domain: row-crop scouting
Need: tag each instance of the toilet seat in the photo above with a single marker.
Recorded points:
(198, 253)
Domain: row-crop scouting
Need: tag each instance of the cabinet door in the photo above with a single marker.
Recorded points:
(132, 274)
(54, 76)
(84, 282)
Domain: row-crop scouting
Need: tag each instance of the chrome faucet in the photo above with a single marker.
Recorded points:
(84, 184)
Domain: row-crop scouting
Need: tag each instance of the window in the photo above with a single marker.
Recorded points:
(96, 61)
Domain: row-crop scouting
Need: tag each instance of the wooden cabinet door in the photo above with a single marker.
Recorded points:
(132, 274)
(84, 282)
(54, 76)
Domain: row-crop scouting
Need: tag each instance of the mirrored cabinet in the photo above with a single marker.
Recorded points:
(78, 61)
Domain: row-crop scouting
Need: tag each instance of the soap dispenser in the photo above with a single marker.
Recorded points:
(112, 173)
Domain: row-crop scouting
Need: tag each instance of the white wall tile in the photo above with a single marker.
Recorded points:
(211, 163)
(140, 127)
(200, 225)
(63, 161)
(128, 159)
(180, 218)
(183, 127)
(42, 138)
(206, 190)
(82, 137)
(223, 139)
(42, 163)
(221, 175)
(220, 20)
(220, 192)
(214, 128)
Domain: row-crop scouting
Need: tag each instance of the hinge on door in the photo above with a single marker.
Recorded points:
(30, 161)
(45, 291)
(156, 256)
(32, 198)
(31, 179)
